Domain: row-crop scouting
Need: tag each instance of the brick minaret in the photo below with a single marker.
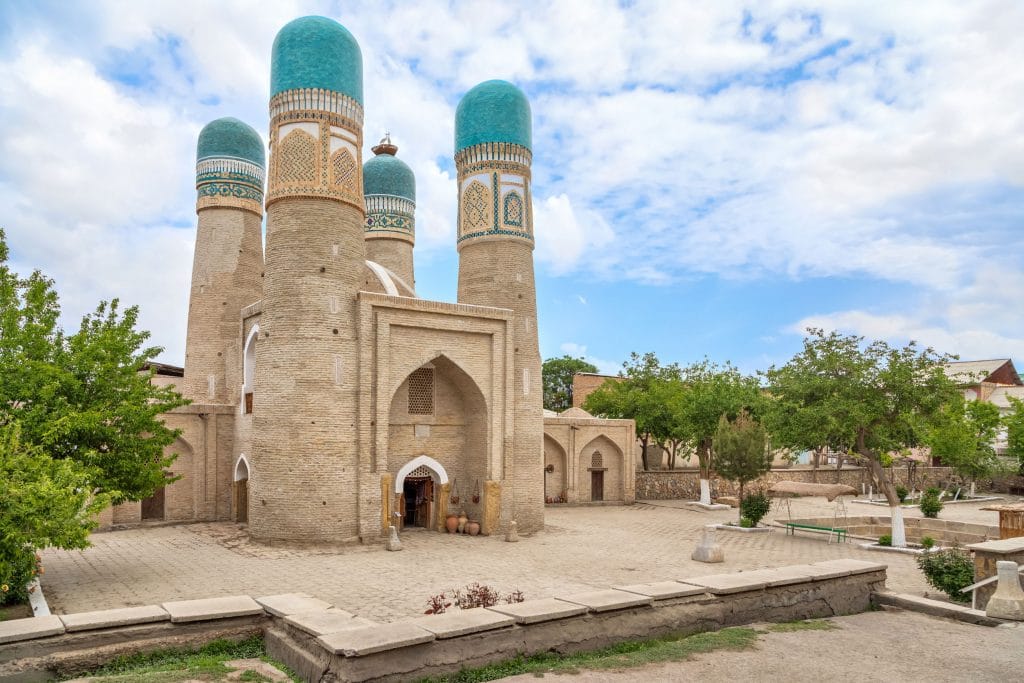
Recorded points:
(495, 242)
(390, 189)
(228, 262)
(305, 439)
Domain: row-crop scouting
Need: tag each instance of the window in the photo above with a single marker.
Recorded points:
(421, 392)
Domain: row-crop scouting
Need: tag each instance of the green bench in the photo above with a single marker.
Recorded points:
(791, 528)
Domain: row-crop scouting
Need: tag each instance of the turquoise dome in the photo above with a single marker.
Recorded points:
(229, 137)
(316, 52)
(494, 111)
(387, 174)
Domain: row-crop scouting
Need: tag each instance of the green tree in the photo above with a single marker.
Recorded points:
(640, 393)
(43, 503)
(741, 450)
(963, 438)
(873, 399)
(1013, 422)
(83, 397)
(558, 374)
(710, 391)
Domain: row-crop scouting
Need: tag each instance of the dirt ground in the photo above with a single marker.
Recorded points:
(890, 645)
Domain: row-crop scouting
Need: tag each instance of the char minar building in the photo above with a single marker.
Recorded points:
(328, 400)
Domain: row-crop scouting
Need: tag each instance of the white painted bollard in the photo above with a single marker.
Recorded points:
(1008, 600)
(708, 549)
(393, 543)
(513, 532)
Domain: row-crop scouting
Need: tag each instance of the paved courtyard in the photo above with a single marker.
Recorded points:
(580, 548)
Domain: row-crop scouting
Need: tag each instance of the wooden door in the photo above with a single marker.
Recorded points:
(153, 507)
(401, 511)
(597, 486)
(242, 501)
(428, 500)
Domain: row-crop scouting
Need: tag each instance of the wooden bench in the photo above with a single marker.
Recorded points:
(791, 528)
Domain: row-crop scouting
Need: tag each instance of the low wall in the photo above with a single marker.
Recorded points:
(944, 531)
(322, 643)
(685, 484)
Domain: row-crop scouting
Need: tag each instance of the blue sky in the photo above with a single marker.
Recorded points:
(709, 178)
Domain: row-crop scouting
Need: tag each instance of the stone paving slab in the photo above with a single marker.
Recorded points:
(322, 622)
(212, 608)
(124, 616)
(292, 603)
(724, 584)
(535, 611)
(819, 573)
(662, 590)
(32, 627)
(462, 622)
(780, 576)
(369, 639)
(607, 600)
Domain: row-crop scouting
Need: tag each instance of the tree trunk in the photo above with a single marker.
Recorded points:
(704, 458)
(899, 533)
(839, 461)
(739, 500)
(643, 451)
(815, 463)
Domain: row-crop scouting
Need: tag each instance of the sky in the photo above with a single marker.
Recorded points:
(710, 178)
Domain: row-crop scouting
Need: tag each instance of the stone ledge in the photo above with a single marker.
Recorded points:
(608, 600)
(462, 622)
(183, 611)
(725, 584)
(536, 611)
(127, 616)
(663, 590)
(30, 628)
(291, 603)
(852, 566)
(935, 608)
(323, 622)
(370, 639)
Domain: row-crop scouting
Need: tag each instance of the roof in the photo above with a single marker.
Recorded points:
(164, 369)
(977, 371)
(493, 111)
(316, 52)
(576, 412)
(387, 174)
(230, 138)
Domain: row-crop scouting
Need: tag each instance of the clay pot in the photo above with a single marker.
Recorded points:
(473, 528)
(451, 523)
(462, 522)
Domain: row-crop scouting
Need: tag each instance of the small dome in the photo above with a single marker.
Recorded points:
(494, 111)
(387, 174)
(229, 137)
(316, 52)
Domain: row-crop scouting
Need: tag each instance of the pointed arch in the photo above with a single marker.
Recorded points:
(513, 209)
(242, 469)
(249, 369)
(297, 160)
(601, 474)
(556, 480)
(417, 462)
(344, 170)
(476, 208)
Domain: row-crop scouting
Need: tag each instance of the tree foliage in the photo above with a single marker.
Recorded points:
(1014, 424)
(558, 374)
(709, 391)
(741, 449)
(642, 394)
(963, 437)
(43, 502)
(870, 398)
(82, 397)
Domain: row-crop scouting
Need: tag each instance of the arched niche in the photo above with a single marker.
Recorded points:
(600, 470)
(240, 489)
(556, 483)
(249, 369)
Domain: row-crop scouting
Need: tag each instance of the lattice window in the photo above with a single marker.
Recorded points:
(343, 169)
(513, 209)
(421, 392)
(298, 158)
(597, 460)
(476, 207)
(421, 471)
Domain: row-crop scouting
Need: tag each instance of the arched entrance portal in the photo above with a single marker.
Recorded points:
(417, 485)
(241, 490)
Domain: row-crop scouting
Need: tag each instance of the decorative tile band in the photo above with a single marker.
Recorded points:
(494, 151)
(316, 139)
(494, 193)
(390, 216)
(229, 182)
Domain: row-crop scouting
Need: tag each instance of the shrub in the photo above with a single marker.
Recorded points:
(754, 507)
(930, 503)
(746, 523)
(902, 492)
(949, 570)
(473, 595)
(927, 542)
(885, 539)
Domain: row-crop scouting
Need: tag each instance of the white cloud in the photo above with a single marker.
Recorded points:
(604, 367)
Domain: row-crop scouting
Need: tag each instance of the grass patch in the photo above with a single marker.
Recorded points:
(620, 656)
(808, 625)
(206, 663)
